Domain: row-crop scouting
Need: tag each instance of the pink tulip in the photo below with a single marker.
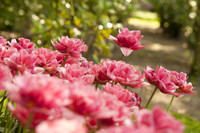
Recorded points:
(130, 98)
(61, 126)
(180, 79)
(75, 72)
(22, 44)
(126, 129)
(48, 59)
(100, 73)
(70, 46)
(112, 110)
(169, 82)
(21, 61)
(22, 114)
(123, 73)
(39, 91)
(5, 76)
(3, 41)
(159, 120)
(128, 40)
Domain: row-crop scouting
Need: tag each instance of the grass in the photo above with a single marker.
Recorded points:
(192, 125)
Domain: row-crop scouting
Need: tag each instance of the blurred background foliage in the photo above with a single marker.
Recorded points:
(94, 20)
(49, 19)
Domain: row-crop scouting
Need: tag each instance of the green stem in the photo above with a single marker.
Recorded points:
(30, 117)
(96, 86)
(2, 101)
(20, 128)
(64, 61)
(7, 117)
(151, 97)
(10, 123)
(125, 87)
(122, 57)
(170, 104)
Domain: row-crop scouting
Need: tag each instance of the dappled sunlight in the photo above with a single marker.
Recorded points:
(144, 23)
(160, 47)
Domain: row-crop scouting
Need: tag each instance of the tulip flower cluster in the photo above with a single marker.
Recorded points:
(54, 90)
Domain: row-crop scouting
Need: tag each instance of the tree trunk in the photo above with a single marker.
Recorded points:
(195, 69)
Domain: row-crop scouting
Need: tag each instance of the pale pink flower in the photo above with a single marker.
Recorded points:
(61, 126)
(75, 72)
(5, 76)
(39, 91)
(160, 121)
(3, 41)
(126, 129)
(123, 73)
(128, 40)
(180, 79)
(22, 44)
(70, 46)
(130, 98)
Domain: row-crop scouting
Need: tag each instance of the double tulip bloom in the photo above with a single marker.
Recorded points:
(169, 82)
(128, 41)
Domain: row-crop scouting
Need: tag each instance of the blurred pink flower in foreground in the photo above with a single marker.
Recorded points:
(123, 73)
(160, 121)
(130, 98)
(70, 46)
(126, 129)
(128, 41)
(5, 76)
(61, 126)
(169, 82)
(39, 91)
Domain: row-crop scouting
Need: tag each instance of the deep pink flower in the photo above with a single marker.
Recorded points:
(61, 126)
(5, 76)
(180, 79)
(70, 46)
(128, 40)
(112, 110)
(100, 73)
(100, 107)
(48, 59)
(22, 44)
(22, 61)
(130, 98)
(3, 41)
(159, 120)
(85, 100)
(22, 114)
(123, 73)
(75, 72)
(169, 82)
(39, 91)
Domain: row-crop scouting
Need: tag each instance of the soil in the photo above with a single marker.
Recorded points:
(170, 53)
